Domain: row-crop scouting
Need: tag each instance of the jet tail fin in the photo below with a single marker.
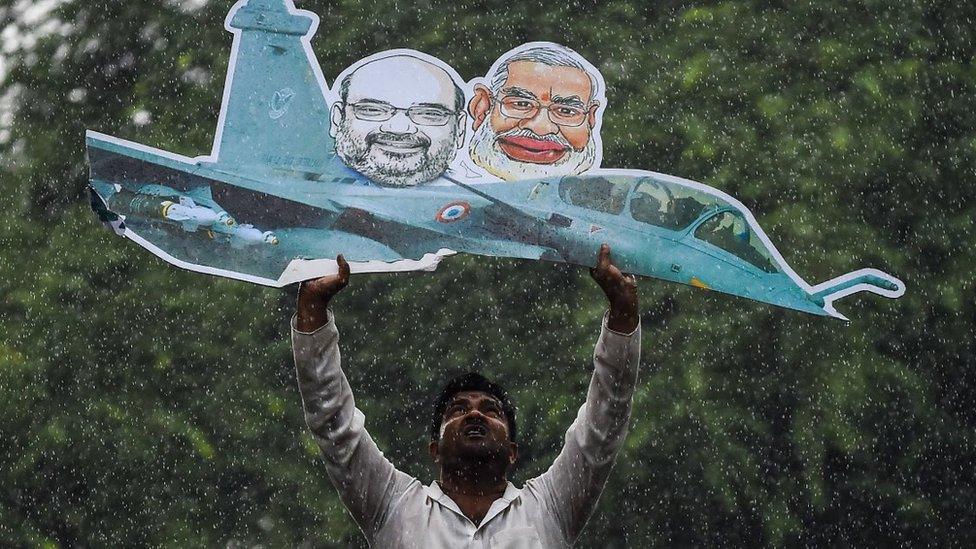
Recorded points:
(275, 113)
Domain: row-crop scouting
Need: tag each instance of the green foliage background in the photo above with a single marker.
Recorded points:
(144, 405)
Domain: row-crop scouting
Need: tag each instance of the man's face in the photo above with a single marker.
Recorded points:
(377, 136)
(474, 429)
(539, 123)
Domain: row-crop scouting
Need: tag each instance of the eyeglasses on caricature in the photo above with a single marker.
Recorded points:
(422, 115)
(561, 114)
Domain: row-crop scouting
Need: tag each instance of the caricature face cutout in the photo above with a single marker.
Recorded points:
(397, 120)
(538, 116)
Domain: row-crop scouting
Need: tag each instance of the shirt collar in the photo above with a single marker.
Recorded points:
(512, 493)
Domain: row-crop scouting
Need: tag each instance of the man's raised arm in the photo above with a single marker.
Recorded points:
(572, 485)
(367, 482)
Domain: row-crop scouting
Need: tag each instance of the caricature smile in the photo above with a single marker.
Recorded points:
(399, 148)
(398, 144)
(528, 149)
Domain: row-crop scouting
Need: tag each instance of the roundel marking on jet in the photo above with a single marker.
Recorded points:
(454, 211)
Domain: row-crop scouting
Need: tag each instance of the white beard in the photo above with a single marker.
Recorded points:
(486, 153)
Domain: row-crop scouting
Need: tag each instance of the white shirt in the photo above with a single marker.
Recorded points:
(395, 510)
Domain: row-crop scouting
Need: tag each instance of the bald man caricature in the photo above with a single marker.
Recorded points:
(399, 119)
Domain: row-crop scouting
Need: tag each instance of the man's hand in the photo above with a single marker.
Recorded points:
(621, 290)
(314, 297)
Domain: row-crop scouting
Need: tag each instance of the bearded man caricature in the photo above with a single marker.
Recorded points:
(399, 119)
(537, 114)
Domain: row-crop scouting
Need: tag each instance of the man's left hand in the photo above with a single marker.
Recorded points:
(621, 292)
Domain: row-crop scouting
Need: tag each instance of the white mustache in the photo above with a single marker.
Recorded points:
(526, 132)
(485, 152)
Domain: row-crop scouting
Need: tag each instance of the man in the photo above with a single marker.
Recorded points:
(537, 114)
(398, 120)
(473, 432)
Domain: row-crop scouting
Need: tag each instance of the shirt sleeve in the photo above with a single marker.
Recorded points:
(572, 485)
(367, 482)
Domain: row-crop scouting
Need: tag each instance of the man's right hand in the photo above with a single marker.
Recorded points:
(314, 297)
(621, 292)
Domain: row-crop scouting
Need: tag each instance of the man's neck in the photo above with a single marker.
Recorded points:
(473, 493)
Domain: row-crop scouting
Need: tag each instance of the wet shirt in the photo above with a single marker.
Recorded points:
(394, 509)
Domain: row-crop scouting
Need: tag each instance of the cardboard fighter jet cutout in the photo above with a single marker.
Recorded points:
(376, 169)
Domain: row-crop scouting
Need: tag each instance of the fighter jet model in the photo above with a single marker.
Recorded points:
(272, 204)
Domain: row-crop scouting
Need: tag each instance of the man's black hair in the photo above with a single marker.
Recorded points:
(471, 381)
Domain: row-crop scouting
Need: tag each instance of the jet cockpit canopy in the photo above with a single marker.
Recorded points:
(669, 205)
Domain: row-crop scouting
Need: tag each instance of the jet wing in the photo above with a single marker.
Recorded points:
(200, 218)
(405, 231)
(504, 208)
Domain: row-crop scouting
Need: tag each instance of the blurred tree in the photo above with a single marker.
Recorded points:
(144, 405)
